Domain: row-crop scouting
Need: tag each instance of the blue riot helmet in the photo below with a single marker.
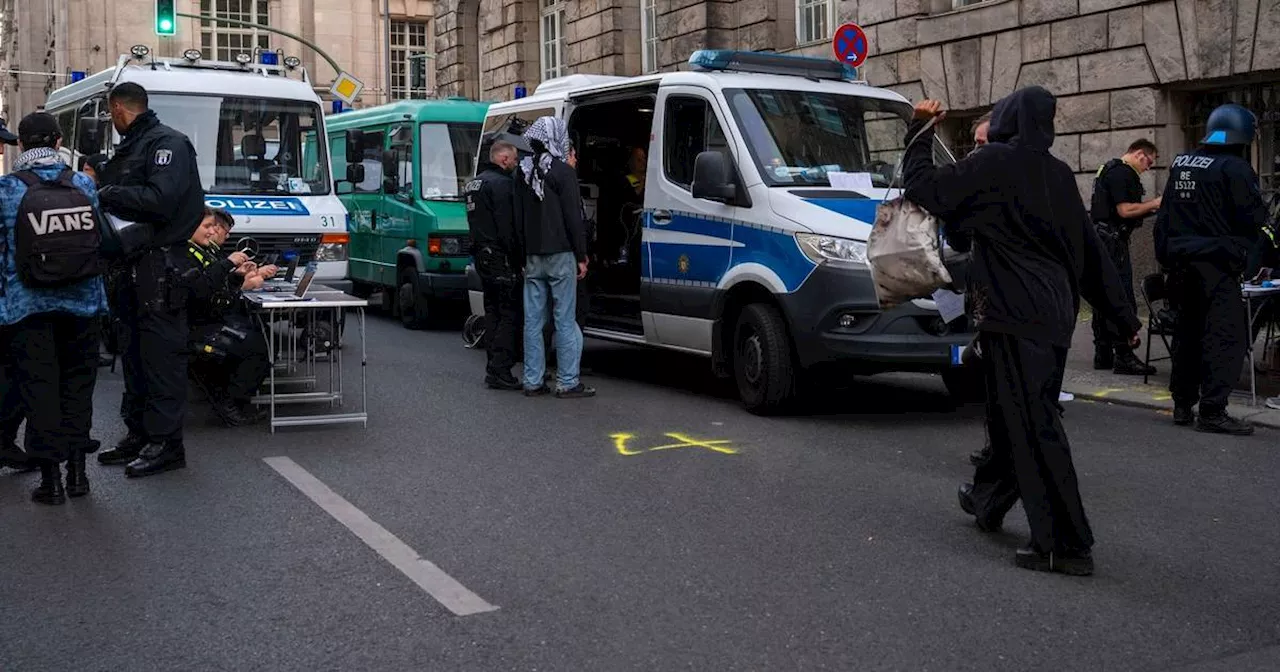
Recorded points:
(1230, 124)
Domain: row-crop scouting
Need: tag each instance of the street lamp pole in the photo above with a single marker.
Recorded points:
(386, 43)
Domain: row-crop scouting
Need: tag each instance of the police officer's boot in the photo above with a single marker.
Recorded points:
(1221, 423)
(125, 452)
(1128, 364)
(50, 490)
(158, 458)
(1103, 359)
(77, 480)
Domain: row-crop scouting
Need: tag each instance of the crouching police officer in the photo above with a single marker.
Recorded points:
(498, 254)
(152, 180)
(230, 353)
(1213, 211)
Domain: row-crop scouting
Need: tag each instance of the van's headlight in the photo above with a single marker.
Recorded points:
(333, 247)
(822, 249)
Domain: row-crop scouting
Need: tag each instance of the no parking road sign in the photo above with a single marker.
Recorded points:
(850, 44)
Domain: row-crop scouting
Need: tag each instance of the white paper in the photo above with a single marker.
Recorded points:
(851, 181)
(950, 304)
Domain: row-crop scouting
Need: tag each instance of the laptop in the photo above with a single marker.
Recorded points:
(300, 292)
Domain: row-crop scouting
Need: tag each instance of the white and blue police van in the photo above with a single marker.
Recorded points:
(744, 240)
(258, 130)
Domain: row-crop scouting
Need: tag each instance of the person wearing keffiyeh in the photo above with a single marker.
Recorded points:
(548, 209)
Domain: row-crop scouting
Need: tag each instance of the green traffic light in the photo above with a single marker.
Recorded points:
(166, 25)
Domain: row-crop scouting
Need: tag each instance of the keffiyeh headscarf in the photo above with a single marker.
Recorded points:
(553, 135)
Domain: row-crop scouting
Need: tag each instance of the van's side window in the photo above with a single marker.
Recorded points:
(371, 151)
(690, 127)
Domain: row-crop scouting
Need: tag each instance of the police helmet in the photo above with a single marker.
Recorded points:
(1230, 124)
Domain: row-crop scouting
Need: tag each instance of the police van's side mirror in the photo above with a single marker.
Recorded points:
(355, 146)
(90, 136)
(390, 172)
(355, 173)
(713, 178)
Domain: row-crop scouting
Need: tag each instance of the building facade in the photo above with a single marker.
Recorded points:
(42, 41)
(1123, 69)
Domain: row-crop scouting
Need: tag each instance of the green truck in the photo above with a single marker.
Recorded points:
(401, 168)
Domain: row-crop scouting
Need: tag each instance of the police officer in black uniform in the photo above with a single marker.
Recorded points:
(153, 180)
(1212, 214)
(495, 245)
(1117, 209)
(231, 358)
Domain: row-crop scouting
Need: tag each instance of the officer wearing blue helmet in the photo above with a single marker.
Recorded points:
(1211, 217)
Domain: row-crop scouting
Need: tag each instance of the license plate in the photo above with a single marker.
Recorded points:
(957, 351)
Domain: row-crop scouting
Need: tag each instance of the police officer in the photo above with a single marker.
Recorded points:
(152, 180)
(1203, 236)
(499, 255)
(232, 358)
(1117, 209)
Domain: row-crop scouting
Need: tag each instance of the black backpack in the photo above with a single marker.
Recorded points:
(57, 236)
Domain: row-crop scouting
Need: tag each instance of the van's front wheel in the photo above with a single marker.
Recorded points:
(412, 305)
(763, 365)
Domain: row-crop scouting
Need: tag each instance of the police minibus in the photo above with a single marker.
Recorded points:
(258, 129)
(732, 204)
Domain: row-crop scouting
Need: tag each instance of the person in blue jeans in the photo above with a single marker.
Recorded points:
(548, 211)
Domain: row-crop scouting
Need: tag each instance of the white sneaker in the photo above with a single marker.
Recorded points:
(1066, 396)
(1273, 403)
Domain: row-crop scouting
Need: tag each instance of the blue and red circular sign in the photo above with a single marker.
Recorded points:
(850, 44)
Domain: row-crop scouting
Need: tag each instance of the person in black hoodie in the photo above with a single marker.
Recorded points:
(1035, 252)
(548, 208)
(496, 248)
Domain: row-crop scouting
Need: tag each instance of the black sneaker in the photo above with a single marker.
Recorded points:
(1103, 361)
(540, 391)
(1223, 424)
(579, 392)
(1183, 415)
(502, 383)
(1071, 563)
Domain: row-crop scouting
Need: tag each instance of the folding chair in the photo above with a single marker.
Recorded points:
(1161, 320)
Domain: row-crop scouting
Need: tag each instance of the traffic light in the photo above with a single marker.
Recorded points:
(418, 72)
(166, 19)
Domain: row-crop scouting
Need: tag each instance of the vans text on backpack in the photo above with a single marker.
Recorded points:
(57, 235)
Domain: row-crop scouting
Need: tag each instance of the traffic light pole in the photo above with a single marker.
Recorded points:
(247, 24)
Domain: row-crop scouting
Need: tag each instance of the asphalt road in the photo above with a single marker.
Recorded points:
(827, 541)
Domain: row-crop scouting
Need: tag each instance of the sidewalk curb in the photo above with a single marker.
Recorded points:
(1260, 415)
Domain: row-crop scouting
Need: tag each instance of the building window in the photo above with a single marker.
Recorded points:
(552, 38)
(649, 35)
(223, 41)
(957, 4)
(813, 20)
(409, 39)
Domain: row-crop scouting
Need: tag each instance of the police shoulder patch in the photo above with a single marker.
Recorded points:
(163, 157)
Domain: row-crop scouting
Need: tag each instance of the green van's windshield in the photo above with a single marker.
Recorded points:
(250, 145)
(448, 154)
(797, 138)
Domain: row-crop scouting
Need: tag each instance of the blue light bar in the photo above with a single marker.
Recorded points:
(772, 64)
(269, 58)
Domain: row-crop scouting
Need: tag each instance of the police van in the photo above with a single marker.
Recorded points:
(732, 203)
(258, 130)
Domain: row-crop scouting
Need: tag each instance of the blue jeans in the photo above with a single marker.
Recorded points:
(554, 275)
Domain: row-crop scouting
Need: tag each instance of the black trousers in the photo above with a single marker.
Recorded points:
(1030, 456)
(1107, 335)
(11, 413)
(154, 361)
(55, 368)
(503, 320)
(237, 375)
(1210, 345)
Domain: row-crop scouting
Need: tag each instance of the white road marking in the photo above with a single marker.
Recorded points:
(445, 589)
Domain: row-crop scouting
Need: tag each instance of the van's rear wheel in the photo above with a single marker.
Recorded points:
(763, 366)
(412, 304)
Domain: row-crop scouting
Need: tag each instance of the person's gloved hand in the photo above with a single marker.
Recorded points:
(1135, 340)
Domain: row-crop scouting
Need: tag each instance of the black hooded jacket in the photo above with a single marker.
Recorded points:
(1035, 251)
